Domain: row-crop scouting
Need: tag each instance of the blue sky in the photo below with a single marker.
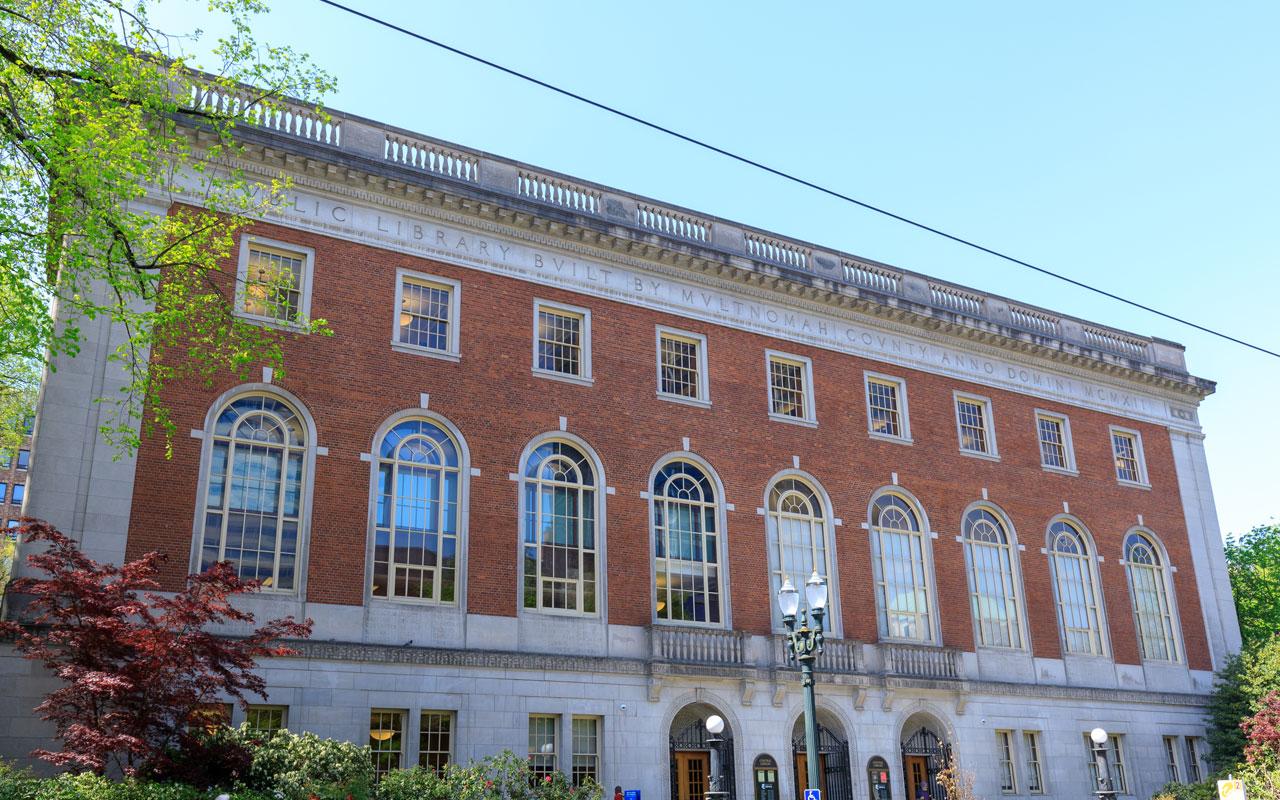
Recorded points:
(1130, 145)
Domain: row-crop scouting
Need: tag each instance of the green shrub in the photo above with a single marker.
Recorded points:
(1204, 790)
(302, 765)
(502, 777)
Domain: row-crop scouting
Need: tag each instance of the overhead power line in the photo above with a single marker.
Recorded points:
(796, 179)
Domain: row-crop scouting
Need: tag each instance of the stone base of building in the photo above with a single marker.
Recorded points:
(649, 720)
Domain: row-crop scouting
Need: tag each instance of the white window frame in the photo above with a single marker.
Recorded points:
(1033, 742)
(904, 416)
(599, 491)
(992, 453)
(1089, 561)
(880, 577)
(1067, 446)
(703, 397)
(1163, 575)
(573, 746)
(260, 707)
(721, 537)
(452, 351)
(1012, 582)
(463, 470)
(1115, 757)
(810, 418)
(1195, 763)
(584, 376)
(452, 716)
(557, 739)
(1172, 744)
(403, 715)
(821, 516)
(1007, 753)
(309, 452)
(304, 290)
(1143, 481)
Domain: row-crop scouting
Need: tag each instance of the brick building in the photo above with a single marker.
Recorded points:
(13, 483)
(540, 487)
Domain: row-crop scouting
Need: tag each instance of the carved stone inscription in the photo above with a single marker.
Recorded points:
(542, 265)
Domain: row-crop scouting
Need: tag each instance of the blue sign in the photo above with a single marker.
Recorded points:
(631, 794)
(812, 794)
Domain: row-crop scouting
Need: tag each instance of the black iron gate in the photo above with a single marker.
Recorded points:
(937, 753)
(833, 759)
(694, 737)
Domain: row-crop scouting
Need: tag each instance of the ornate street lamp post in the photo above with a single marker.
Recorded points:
(1105, 790)
(803, 646)
(715, 727)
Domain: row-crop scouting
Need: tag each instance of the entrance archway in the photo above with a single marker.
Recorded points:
(692, 761)
(924, 755)
(835, 774)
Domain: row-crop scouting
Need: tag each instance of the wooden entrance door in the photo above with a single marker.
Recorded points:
(693, 770)
(802, 774)
(917, 768)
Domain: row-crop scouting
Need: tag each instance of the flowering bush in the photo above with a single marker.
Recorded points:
(16, 785)
(303, 766)
(501, 777)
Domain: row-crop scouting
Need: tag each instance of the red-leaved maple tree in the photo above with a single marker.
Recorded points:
(136, 666)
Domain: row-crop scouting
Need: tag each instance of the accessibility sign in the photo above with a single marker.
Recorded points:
(1232, 789)
(812, 794)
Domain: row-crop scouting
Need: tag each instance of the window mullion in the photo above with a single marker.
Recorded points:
(280, 515)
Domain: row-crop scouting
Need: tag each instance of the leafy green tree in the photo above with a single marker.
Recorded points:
(91, 103)
(1253, 563)
(1242, 684)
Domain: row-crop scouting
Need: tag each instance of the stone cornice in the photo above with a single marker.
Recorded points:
(645, 669)
(357, 172)
(328, 206)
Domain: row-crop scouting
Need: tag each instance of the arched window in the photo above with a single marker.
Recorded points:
(415, 524)
(253, 500)
(686, 544)
(898, 566)
(993, 586)
(1076, 582)
(797, 529)
(1152, 607)
(560, 545)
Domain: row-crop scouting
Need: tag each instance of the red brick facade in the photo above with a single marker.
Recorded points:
(352, 381)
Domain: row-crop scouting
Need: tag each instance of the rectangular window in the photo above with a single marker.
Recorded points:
(790, 387)
(426, 313)
(24, 459)
(4, 487)
(543, 749)
(435, 742)
(887, 408)
(682, 366)
(586, 750)
(13, 523)
(1035, 770)
(1126, 447)
(273, 281)
(6, 459)
(1171, 759)
(1193, 760)
(267, 718)
(974, 425)
(19, 492)
(386, 740)
(1115, 762)
(562, 341)
(1004, 751)
(1054, 433)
